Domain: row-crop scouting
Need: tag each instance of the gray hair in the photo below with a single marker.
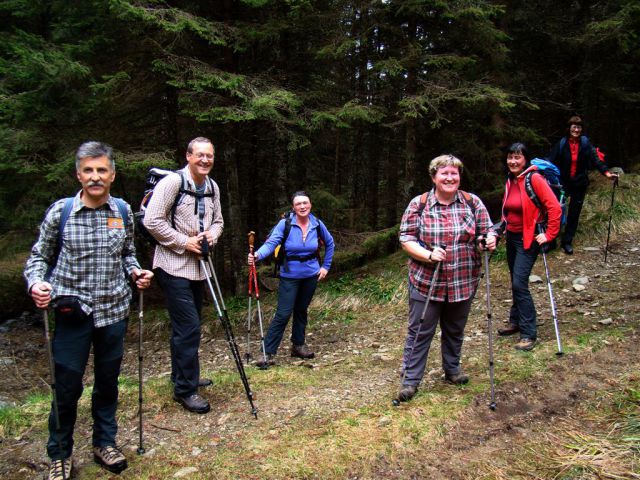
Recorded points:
(199, 140)
(94, 149)
(447, 160)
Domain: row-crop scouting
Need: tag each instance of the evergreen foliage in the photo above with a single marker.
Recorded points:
(348, 99)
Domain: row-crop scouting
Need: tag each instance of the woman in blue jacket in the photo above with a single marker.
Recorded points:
(299, 275)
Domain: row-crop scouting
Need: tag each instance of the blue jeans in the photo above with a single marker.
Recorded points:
(184, 303)
(521, 261)
(72, 341)
(294, 296)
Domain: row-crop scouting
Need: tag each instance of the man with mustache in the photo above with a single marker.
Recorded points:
(180, 227)
(81, 264)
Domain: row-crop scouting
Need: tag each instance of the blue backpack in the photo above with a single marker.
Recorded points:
(551, 174)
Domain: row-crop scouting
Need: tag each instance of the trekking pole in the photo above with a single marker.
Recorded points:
(492, 405)
(140, 358)
(247, 354)
(253, 289)
(551, 299)
(226, 323)
(52, 374)
(613, 192)
(396, 401)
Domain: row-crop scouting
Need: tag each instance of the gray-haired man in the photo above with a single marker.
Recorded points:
(85, 276)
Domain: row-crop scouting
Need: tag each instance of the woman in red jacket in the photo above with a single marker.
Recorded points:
(527, 229)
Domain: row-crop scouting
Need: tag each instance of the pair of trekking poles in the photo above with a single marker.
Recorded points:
(486, 254)
(224, 320)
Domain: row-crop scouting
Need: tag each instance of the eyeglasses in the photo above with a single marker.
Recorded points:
(203, 156)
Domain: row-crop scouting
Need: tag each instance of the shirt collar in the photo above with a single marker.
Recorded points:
(78, 205)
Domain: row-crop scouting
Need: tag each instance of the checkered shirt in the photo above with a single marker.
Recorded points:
(171, 254)
(452, 225)
(96, 259)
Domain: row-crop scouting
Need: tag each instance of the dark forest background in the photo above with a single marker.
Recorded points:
(346, 99)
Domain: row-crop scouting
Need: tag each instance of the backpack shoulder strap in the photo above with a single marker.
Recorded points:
(122, 208)
(528, 186)
(469, 200)
(563, 142)
(64, 216)
(422, 204)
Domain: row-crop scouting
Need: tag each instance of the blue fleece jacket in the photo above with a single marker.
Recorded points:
(295, 246)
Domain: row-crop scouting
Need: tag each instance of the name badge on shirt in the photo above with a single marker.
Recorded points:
(115, 223)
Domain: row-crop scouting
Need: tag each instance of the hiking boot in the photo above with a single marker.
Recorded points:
(457, 378)
(205, 382)
(194, 403)
(525, 344)
(110, 458)
(407, 392)
(568, 249)
(510, 330)
(301, 351)
(266, 361)
(60, 469)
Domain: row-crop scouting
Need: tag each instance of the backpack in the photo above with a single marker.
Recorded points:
(280, 252)
(153, 178)
(551, 174)
(64, 217)
(584, 140)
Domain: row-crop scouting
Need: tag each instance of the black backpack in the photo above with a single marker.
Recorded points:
(153, 177)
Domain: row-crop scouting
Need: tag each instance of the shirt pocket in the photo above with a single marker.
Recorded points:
(115, 239)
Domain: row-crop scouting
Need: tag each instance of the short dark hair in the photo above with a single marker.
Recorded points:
(519, 147)
(93, 149)
(299, 193)
(575, 120)
(199, 140)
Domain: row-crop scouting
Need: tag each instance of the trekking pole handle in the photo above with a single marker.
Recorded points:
(204, 247)
(252, 238)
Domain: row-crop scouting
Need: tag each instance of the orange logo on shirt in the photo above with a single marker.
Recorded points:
(115, 223)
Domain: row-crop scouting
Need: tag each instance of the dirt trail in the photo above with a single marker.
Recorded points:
(476, 436)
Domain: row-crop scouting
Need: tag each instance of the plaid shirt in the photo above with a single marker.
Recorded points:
(96, 258)
(452, 225)
(171, 254)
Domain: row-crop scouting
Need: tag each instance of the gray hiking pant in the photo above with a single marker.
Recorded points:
(452, 317)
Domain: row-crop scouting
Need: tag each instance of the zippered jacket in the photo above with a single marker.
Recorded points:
(531, 215)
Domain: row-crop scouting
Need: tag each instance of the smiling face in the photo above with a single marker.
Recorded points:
(301, 206)
(446, 180)
(516, 162)
(200, 161)
(96, 174)
(575, 130)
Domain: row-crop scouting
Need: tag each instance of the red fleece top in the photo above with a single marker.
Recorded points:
(574, 147)
(530, 213)
(513, 208)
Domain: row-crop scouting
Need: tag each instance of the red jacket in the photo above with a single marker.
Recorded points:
(531, 215)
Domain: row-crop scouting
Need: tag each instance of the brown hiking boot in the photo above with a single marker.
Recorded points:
(510, 330)
(407, 392)
(110, 457)
(267, 361)
(525, 344)
(60, 469)
(457, 378)
(194, 403)
(301, 351)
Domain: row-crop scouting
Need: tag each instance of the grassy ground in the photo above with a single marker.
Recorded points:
(570, 417)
